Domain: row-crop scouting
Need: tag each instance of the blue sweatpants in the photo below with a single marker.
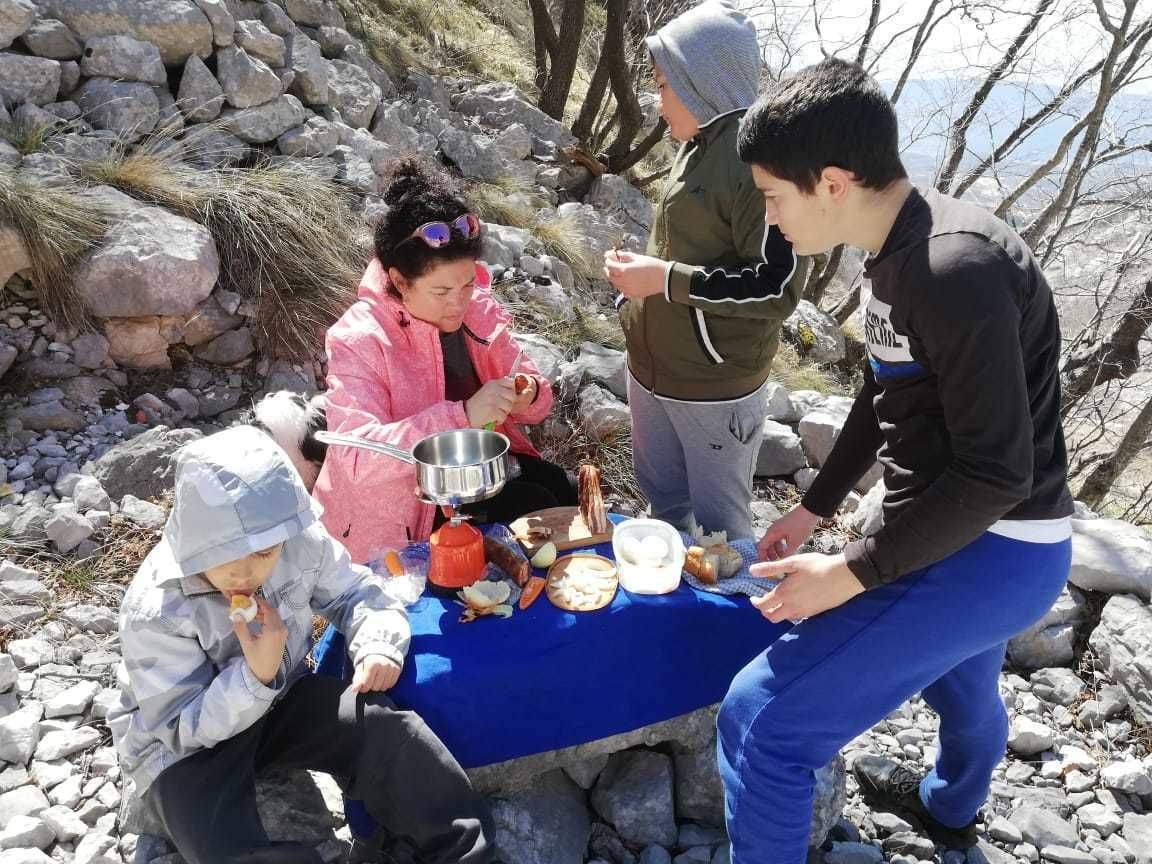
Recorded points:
(941, 631)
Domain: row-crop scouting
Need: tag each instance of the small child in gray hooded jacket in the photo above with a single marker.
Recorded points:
(208, 702)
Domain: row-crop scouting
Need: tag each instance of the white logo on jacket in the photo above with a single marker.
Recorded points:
(884, 343)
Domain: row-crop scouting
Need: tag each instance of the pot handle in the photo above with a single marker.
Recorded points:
(374, 446)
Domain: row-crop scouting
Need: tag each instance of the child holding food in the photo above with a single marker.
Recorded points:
(215, 692)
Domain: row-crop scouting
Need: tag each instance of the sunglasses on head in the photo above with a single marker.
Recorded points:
(437, 234)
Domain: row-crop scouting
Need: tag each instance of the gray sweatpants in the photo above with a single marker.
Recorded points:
(694, 460)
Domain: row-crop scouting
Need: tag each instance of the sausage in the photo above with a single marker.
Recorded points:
(514, 566)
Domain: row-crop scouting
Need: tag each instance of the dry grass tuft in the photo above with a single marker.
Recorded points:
(59, 228)
(123, 546)
(287, 239)
(565, 329)
(482, 37)
(795, 373)
(564, 239)
(569, 445)
(27, 137)
(505, 202)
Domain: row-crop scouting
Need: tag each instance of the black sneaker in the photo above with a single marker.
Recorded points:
(887, 785)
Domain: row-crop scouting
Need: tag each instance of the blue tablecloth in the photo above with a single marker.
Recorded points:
(498, 689)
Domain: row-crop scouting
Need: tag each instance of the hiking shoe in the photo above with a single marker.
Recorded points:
(887, 785)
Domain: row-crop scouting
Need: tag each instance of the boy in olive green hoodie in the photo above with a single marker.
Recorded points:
(702, 311)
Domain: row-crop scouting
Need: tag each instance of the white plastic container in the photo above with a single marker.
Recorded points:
(649, 556)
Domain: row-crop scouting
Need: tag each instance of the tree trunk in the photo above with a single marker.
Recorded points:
(620, 164)
(593, 102)
(554, 95)
(822, 274)
(1118, 357)
(923, 32)
(848, 305)
(544, 41)
(1025, 127)
(866, 40)
(1100, 481)
(631, 117)
(1111, 80)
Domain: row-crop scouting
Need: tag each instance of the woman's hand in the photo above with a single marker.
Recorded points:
(492, 403)
(635, 276)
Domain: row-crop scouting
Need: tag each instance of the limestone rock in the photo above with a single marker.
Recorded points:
(122, 57)
(152, 262)
(28, 79)
(177, 27)
(200, 96)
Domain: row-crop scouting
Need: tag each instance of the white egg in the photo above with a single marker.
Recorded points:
(630, 550)
(654, 549)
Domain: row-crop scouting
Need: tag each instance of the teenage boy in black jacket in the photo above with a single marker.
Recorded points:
(961, 404)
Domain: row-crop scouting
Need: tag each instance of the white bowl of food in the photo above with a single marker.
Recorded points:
(649, 556)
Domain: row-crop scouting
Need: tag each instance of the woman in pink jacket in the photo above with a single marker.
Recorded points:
(425, 349)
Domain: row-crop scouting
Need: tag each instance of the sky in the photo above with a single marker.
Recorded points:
(959, 44)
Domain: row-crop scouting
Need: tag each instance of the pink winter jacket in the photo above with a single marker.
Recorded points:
(386, 383)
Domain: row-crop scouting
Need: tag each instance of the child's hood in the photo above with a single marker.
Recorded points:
(236, 493)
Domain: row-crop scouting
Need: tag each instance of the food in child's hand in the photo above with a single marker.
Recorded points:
(512, 565)
(243, 609)
(545, 555)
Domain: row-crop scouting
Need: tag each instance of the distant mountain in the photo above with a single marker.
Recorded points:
(927, 107)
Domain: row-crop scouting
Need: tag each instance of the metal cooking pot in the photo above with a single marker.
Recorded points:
(453, 468)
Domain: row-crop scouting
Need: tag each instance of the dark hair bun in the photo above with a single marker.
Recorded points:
(417, 192)
(411, 179)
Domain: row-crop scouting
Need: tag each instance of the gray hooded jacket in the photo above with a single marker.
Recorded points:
(184, 680)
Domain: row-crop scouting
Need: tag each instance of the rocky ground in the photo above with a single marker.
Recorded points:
(1076, 784)
(89, 421)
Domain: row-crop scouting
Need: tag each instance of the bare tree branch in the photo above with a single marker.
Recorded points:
(869, 32)
(959, 132)
(1103, 476)
(1110, 80)
(1116, 357)
(1026, 126)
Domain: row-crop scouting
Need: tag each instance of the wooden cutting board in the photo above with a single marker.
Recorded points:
(568, 530)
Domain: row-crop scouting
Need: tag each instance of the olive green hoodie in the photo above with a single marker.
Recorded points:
(730, 284)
